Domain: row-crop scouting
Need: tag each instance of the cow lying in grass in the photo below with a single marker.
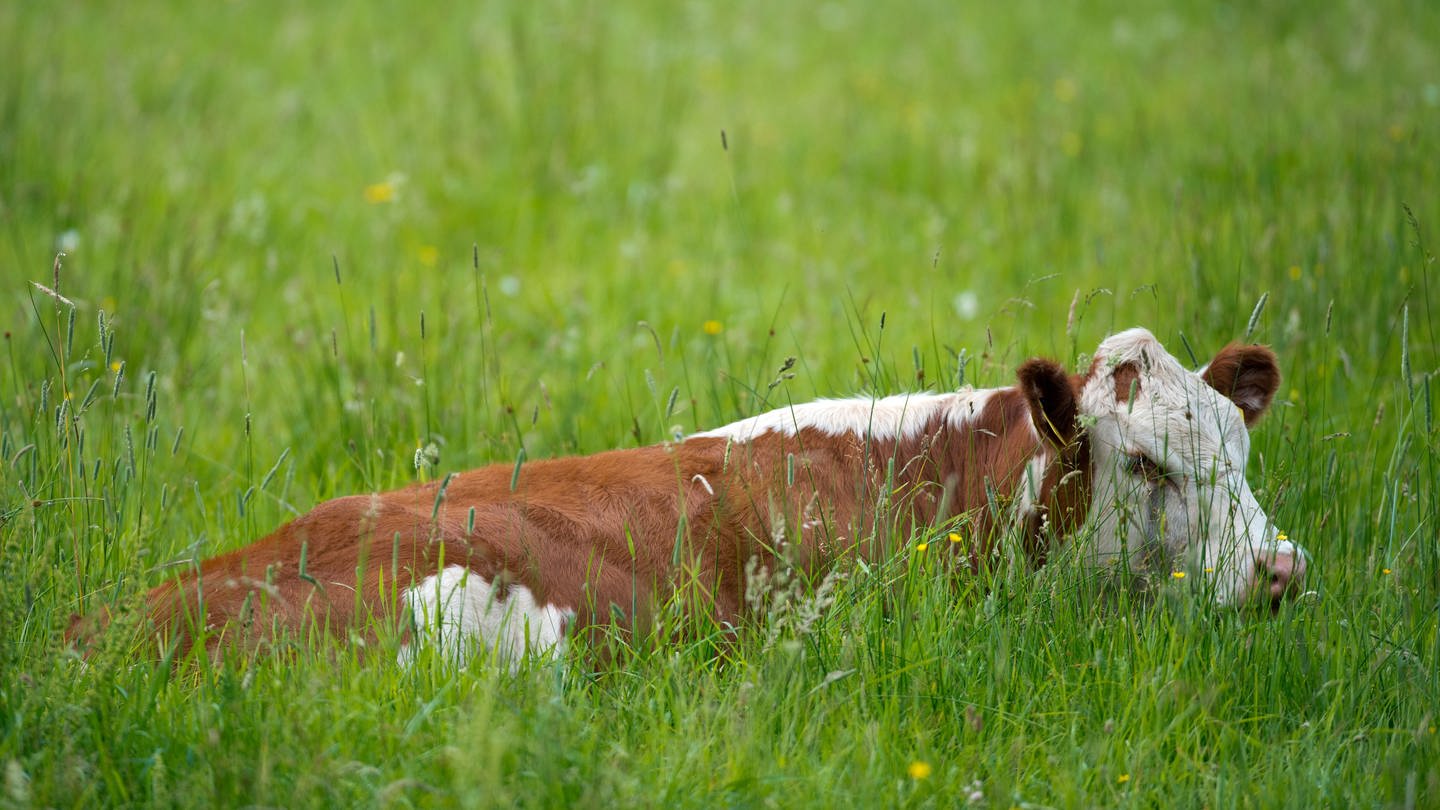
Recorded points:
(1148, 456)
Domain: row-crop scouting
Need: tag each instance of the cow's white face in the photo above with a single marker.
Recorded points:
(1168, 450)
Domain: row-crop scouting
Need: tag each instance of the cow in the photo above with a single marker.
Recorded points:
(1143, 458)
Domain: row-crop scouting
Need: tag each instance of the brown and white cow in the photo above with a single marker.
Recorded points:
(1147, 456)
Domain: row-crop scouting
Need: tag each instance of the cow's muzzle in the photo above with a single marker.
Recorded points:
(1279, 575)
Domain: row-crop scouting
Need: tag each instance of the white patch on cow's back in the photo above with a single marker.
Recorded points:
(461, 611)
(901, 416)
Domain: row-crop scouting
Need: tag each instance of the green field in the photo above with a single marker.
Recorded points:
(319, 251)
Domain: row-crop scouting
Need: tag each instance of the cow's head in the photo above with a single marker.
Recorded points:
(1169, 448)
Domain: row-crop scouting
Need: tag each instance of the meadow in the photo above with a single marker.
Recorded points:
(314, 250)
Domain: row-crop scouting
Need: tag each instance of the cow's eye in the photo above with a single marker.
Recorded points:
(1141, 466)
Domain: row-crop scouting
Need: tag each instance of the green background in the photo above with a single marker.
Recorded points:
(324, 237)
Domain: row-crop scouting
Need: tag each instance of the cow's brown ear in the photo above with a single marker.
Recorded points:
(1248, 375)
(1053, 402)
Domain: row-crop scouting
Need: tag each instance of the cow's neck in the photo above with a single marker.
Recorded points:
(863, 475)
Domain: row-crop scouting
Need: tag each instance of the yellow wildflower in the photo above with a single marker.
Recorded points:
(1178, 574)
(713, 327)
(919, 770)
(1122, 778)
(1295, 272)
(382, 192)
(1210, 570)
(922, 546)
(1385, 571)
(1282, 537)
(954, 538)
(115, 366)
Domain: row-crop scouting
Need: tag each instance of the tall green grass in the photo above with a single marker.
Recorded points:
(316, 252)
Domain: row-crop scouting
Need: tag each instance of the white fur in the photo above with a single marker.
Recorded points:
(460, 611)
(1203, 518)
(1031, 482)
(901, 416)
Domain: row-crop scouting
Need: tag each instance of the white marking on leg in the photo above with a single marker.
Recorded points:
(461, 611)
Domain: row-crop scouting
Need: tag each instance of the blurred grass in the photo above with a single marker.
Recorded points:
(266, 201)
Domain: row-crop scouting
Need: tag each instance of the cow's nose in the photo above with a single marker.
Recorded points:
(1279, 574)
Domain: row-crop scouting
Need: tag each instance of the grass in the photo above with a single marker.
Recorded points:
(324, 240)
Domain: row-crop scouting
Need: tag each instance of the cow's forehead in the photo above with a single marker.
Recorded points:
(1169, 407)
(1185, 416)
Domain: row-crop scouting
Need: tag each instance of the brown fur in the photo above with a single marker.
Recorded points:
(1127, 381)
(1052, 399)
(1248, 375)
